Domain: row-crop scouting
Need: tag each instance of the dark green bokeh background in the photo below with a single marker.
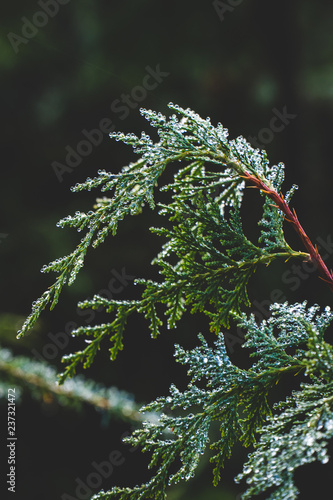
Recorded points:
(263, 55)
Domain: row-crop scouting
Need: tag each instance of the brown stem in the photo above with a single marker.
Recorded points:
(291, 217)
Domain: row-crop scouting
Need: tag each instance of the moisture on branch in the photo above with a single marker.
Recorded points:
(205, 263)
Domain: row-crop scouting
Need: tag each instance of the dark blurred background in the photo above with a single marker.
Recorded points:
(67, 70)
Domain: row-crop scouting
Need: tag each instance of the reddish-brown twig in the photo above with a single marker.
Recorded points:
(290, 216)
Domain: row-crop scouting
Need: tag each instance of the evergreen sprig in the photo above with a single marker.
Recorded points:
(238, 399)
(214, 166)
(205, 263)
(298, 435)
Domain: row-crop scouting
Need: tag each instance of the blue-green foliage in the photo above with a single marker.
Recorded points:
(206, 261)
(297, 433)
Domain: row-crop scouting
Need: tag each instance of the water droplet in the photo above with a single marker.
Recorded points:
(309, 440)
(329, 425)
(219, 360)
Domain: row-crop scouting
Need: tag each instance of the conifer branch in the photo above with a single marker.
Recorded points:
(206, 263)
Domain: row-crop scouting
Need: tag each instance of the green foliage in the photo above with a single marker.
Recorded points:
(238, 399)
(300, 432)
(215, 258)
(206, 262)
